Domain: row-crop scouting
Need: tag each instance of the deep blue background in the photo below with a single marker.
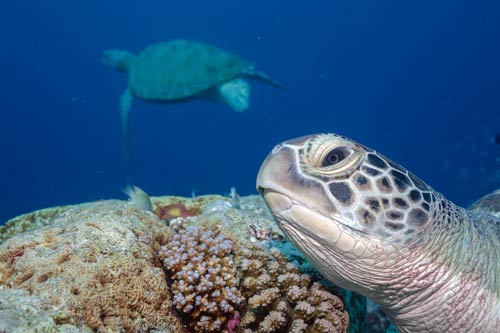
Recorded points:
(418, 81)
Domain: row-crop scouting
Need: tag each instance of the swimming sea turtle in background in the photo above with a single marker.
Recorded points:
(180, 70)
(371, 226)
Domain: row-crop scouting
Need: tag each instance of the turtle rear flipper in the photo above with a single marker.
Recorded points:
(264, 78)
(236, 93)
(125, 104)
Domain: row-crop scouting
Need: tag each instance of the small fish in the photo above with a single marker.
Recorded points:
(138, 197)
(235, 198)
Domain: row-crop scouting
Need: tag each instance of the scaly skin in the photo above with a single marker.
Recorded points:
(371, 226)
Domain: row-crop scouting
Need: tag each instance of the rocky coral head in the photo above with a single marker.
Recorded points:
(119, 60)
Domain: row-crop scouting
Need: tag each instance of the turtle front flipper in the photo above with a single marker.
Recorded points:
(236, 93)
(125, 104)
(489, 203)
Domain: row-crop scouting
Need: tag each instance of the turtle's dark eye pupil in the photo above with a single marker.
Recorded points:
(334, 156)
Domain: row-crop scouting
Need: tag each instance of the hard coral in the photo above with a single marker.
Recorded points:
(269, 292)
(282, 299)
(96, 264)
(30, 221)
(203, 278)
(126, 295)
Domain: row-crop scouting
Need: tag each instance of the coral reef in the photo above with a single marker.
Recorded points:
(19, 310)
(220, 275)
(168, 208)
(282, 299)
(203, 274)
(30, 221)
(173, 211)
(204, 264)
(96, 264)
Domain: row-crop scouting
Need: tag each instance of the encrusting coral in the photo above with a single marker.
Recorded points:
(30, 221)
(210, 266)
(22, 313)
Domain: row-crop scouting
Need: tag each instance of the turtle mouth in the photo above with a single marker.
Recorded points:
(276, 201)
(287, 211)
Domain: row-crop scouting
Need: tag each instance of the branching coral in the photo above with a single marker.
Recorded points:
(210, 269)
(282, 299)
(204, 283)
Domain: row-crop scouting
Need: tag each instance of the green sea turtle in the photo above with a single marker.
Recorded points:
(180, 70)
(371, 226)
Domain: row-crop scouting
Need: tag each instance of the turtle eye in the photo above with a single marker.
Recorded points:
(332, 156)
(335, 156)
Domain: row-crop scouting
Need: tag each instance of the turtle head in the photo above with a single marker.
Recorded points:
(343, 204)
(119, 60)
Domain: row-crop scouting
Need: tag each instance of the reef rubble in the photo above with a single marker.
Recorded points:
(203, 264)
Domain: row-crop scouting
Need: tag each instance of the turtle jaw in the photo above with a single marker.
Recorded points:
(338, 252)
(342, 254)
(294, 217)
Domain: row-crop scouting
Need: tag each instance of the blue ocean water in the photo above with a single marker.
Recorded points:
(419, 82)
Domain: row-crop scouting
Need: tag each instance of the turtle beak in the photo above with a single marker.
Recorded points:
(272, 173)
(280, 175)
(279, 171)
